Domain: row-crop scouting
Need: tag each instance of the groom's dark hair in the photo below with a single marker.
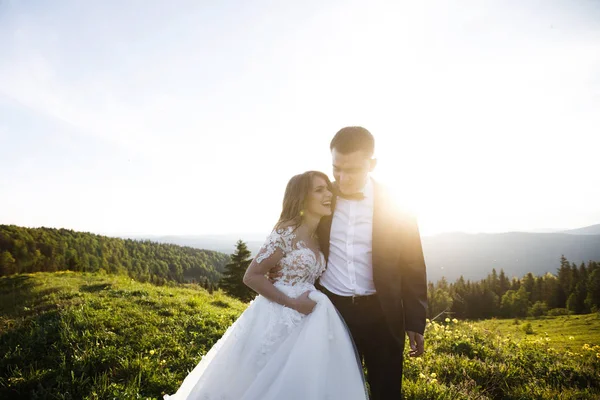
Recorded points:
(353, 138)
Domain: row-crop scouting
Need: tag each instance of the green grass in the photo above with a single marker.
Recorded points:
(91, 336)
(481, 361)
(81, 336)
(563, 333)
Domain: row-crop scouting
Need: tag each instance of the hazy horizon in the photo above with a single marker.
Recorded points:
(257, 235)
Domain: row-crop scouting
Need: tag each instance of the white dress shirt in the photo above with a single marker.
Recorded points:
(350, 267)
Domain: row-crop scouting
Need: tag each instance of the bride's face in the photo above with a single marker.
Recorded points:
(318, 199)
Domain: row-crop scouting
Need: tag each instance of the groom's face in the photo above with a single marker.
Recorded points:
(351, 170)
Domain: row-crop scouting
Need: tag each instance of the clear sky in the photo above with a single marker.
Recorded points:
(189, 117)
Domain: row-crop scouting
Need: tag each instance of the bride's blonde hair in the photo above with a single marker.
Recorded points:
(295, 197)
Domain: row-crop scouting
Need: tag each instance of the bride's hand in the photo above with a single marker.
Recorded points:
(303, 304)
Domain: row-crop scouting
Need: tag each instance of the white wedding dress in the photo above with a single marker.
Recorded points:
(272, 352)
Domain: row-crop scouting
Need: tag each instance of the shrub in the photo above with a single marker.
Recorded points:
(554, 312)
(527, 328)
(538, 309)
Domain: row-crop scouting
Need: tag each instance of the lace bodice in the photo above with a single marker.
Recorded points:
(299, 263)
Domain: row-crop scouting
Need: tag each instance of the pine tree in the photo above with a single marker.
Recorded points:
(565, 279)
(232, 281)
(528, 283)
(583, 273)
(576, 301)
(538, 290)
(552, 291)
(503, 283)
(592, 300)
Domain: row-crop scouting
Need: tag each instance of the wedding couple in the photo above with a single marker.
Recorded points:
(349, 283)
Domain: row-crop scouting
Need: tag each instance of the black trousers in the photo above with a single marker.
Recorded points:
(376, 346)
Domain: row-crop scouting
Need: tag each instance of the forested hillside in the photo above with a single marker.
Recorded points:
(46, 249)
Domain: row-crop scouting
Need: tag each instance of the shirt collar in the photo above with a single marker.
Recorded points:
(367, 190)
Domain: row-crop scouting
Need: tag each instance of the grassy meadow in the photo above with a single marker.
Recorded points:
(73, 335)
(566, 333)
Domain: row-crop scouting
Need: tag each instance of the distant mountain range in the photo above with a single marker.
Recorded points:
(587, 230)
(474, 255)
(454, 254)
(222, 243)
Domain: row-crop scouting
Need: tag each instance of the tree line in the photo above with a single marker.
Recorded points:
(573, 289)
(24, 250)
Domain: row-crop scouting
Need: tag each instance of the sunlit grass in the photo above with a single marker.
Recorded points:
(91, 336)
(72, 336)
(569, 332)
(476, 361)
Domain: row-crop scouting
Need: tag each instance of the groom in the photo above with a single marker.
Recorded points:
(375, 272)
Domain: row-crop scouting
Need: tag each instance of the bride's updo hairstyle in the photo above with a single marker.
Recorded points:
(294, 198)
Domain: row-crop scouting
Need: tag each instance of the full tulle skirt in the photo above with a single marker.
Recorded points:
(272, 352)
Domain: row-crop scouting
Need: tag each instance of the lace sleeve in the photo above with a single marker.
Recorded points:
(278, 239)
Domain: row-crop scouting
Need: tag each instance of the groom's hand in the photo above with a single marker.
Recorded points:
(417, 344)
(274, 274)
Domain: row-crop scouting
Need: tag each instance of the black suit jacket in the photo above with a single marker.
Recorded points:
(398, 264)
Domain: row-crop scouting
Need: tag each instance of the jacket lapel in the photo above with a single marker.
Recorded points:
(378, 235)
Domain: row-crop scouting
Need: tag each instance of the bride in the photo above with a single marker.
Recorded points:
(290, 343)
